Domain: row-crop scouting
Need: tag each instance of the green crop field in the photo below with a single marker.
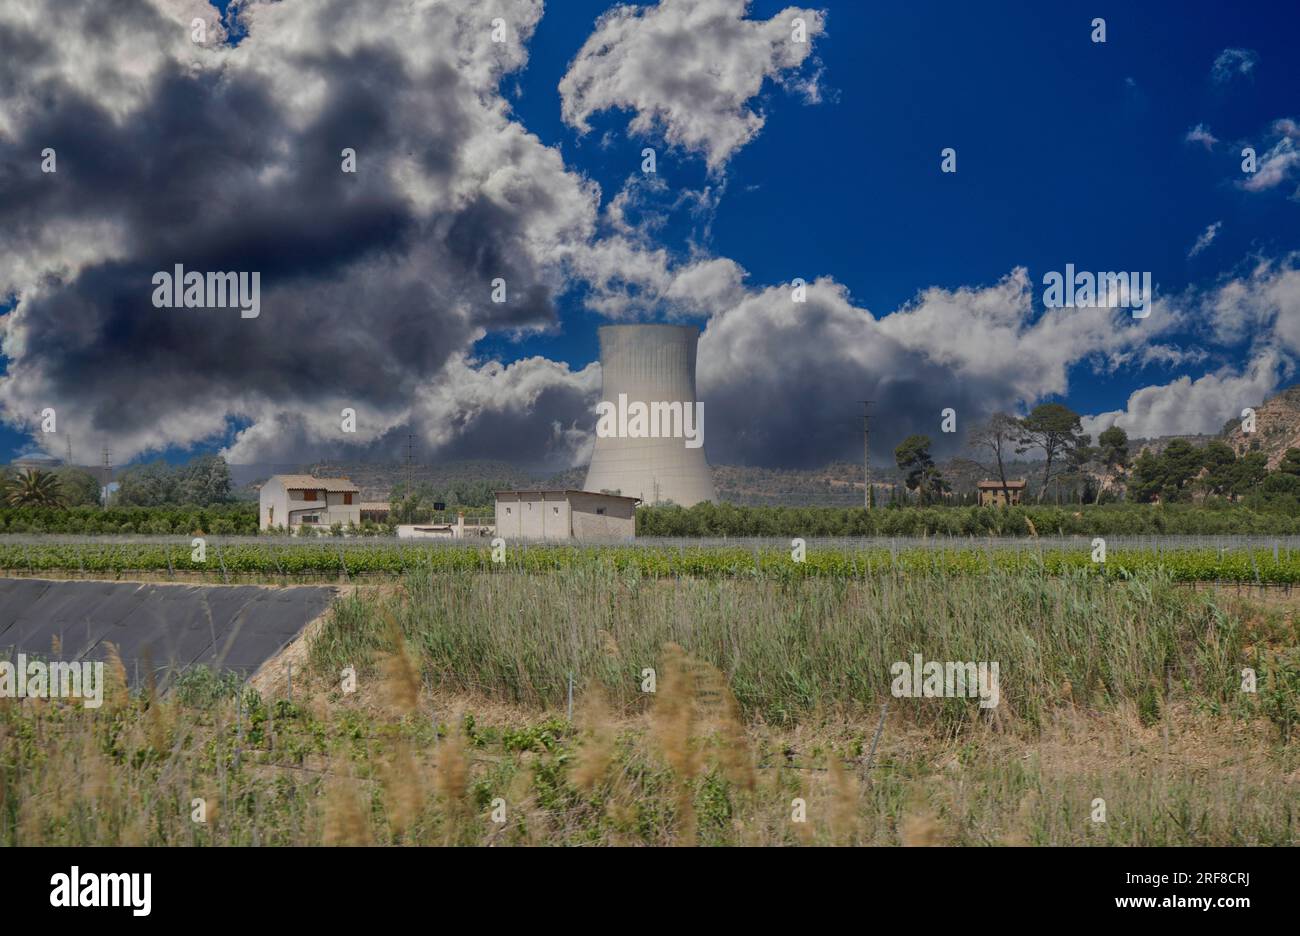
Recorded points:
(1211, 517)
(267, 560)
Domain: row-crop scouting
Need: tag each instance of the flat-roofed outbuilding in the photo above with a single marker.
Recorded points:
(565, 515)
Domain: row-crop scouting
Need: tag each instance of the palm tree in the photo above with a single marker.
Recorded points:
(33, 488)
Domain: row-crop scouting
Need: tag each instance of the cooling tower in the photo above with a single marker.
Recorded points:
(654, 366)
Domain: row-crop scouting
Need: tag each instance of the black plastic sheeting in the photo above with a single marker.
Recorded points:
(167, 627)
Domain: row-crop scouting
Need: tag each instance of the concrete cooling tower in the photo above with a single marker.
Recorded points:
(649, 431)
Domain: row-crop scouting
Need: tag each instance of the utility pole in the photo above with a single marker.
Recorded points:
(68, 461)
(410, 462)
(866, 452)
(108, 473)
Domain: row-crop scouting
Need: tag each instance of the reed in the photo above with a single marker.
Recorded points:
(765, 691)
(789, 648)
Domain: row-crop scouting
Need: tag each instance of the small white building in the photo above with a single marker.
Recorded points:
(293, 501)
(568, 514)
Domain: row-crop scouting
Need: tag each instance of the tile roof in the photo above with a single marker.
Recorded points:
(308, 483)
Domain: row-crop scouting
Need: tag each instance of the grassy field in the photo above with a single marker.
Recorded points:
(767, 700)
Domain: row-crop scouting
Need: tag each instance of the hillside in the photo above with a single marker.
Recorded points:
(377, 479)
(1277, 427)
(838, 484)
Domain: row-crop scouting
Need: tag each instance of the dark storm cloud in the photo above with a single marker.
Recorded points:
(364, 293)
(524, 437)
(20, 50)
(778, 421)
(782, 381)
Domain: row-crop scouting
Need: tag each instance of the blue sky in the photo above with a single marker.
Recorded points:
(1068, 151)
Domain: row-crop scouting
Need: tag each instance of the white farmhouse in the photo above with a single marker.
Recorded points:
(292, 501)
(569, 514)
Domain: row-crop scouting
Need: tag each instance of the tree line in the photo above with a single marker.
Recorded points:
(1071, 464)
(416, 503)
(237, 518)
(202, 482)
(1051, 429)
(1183, 471)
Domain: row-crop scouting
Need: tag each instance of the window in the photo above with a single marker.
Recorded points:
(311, 518)
(600, 511)
(556, 509)
(507, 511)
(308, 495)
(347, 497)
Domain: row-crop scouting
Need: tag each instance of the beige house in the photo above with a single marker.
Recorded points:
(292, 501)
(568, 514)
(992, 493)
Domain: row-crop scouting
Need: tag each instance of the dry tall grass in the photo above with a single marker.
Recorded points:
(765, 693)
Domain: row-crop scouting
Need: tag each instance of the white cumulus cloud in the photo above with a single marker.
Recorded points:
(1185, 406)
(689, 70)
